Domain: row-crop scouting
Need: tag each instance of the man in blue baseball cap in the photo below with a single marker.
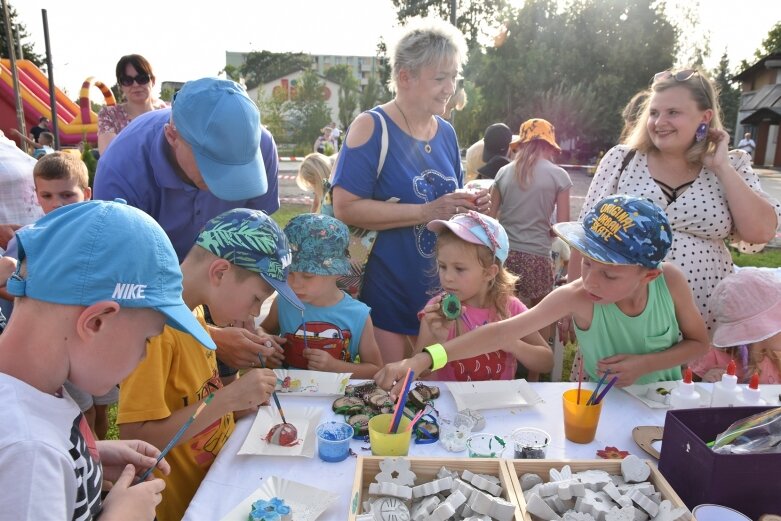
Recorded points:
(208, 154)
(95, 281)
(634, 314)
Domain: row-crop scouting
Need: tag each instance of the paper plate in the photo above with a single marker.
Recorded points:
(305, 419)
(492, 394)
(307, 503)
(643, 393)
(301, 382)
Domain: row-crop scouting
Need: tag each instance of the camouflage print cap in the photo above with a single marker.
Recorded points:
(250, 239)
(319, 244)
(621, 229)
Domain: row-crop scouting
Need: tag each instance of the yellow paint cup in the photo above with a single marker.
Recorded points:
(385, 444)
(580, 420)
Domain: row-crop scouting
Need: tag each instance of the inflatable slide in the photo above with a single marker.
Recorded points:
(76, 122)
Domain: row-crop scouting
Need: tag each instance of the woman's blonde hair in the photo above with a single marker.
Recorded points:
(427, 41)
(502, 287)
(527, 156)
(704, 93)
(313, 175)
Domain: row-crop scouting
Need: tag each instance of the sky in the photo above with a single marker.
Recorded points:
(187, 40)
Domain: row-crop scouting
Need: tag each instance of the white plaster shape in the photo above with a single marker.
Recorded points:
(537, 506)
(396, 470)
(644, 502)
(668, 513)
(634, 470)
(390, 489)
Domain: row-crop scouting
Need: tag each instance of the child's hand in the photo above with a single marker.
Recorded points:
(115, 455)
(438, 325)
(628, 368)
(252, 389)
(319, 360)
(274, 354)
(238, 347)
(132, 502)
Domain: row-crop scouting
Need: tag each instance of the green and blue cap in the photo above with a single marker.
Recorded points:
(250, 239)
(319, 244)
(96, 251)
(621, 229)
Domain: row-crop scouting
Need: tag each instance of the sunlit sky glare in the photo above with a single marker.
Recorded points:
(187, 40)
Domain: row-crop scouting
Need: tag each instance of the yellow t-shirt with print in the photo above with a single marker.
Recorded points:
(177, 371)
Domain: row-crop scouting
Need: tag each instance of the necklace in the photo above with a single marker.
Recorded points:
(427, 146)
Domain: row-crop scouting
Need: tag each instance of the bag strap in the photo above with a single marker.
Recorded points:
(383, 141)
(627, 159)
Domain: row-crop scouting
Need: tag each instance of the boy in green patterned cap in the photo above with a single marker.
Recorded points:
(239, 259)
(335, 333)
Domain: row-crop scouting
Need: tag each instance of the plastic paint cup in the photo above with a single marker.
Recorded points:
(717, 513)
(530, 443)
(455, 431)
(333, 441)
(385, 444)
(580, 420)
(485, 446)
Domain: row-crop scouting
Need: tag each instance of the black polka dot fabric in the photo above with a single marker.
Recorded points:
(699, 217)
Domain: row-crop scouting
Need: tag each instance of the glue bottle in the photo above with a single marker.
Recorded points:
(751, 394)
(726, 393)
(685, 395)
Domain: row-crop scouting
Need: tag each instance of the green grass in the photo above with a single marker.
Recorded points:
(767, 258)
(287, 212)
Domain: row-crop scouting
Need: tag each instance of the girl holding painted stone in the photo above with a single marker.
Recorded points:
(471, 249)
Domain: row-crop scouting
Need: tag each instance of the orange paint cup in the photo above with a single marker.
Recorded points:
(580, 420)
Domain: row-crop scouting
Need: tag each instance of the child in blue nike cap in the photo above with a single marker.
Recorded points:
(95, 281)
(634, 314)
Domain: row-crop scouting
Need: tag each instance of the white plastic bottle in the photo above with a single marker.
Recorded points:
(751, 395)
(726, 393)
(685, 395)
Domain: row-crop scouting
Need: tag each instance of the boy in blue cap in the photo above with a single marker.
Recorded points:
(335, 333)
(634, 314)
(239, 259)
(95, 281)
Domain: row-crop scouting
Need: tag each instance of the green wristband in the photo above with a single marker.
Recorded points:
(438, 356)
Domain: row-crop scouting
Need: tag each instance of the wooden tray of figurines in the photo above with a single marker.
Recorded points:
(362, 401)
(491, 477)
(666, 499)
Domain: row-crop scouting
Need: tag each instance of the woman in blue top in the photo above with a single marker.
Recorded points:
(420, 173)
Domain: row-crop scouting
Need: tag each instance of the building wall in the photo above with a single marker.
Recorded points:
(363, 67)
(287, 85)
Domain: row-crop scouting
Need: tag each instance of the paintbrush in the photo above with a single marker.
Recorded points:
(177, 436)
(596, 389)
(399, 411)
(580, 376)
(604, 392)
(273, 393)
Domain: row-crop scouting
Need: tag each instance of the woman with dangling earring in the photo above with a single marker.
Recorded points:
(677, 154)
(420, 173)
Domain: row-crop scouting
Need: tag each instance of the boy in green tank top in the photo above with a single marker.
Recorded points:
(634, 314)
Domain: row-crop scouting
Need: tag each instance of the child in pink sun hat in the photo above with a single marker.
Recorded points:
(747, 309)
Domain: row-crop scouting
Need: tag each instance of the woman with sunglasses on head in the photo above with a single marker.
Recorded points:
(677, 155)
(136, 79)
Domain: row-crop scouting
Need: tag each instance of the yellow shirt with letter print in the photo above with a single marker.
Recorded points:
(176, 372)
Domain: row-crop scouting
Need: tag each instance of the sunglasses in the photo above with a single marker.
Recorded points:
(683, 75)
(141, 79)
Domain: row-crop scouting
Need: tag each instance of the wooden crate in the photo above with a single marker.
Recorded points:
(426, 470)
(542, 467)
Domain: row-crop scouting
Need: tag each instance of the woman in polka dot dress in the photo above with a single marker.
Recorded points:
(677, 156)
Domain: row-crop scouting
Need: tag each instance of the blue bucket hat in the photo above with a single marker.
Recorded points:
(250, 239)
(621, 229)
(222, 125)
(478, 229)
(319, 243)
(93, 251)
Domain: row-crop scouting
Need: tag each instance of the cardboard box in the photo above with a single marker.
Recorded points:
(542, 467)
(426, 470)
(749, 483)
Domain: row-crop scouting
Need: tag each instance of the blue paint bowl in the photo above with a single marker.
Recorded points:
(333, 441)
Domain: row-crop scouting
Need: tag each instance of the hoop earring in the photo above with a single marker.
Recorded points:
(701, 132)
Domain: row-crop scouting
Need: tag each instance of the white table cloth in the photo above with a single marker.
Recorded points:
(232, 478)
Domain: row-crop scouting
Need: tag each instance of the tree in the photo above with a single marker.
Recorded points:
(232, 72)
(272, 114)
(308, 113)
(471, 17)
(348, 91)
(19, 33)
(264, 66)
(771, 44)
(729, 93)
(372, 94)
